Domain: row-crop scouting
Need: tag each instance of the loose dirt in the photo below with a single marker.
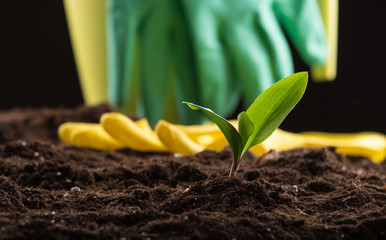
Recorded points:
(51, 190)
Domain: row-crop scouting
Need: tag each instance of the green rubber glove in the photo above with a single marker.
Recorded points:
(247, 36)
(123, 19)
(150, 58)
(205, 51)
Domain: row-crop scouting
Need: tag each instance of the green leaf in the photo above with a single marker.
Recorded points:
(273, 105)
(246, 127)
(230, 132)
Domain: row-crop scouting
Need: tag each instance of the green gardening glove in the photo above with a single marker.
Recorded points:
(206, 51)
(150, 59)
(122, 20)
(244, 40)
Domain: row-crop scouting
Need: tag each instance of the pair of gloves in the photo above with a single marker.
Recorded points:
(117, 131)
(211, 52)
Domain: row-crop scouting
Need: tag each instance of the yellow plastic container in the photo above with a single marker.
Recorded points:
(329, 10)
(87, 27)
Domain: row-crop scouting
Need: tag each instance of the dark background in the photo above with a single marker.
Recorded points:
(37, 67)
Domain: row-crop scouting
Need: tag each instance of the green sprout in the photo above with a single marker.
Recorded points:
(262, 118)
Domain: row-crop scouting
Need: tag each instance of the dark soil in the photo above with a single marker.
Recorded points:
(50, 190)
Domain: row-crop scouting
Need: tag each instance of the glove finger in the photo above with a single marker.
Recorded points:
(186, 86)
(66, 130)
(120, 39)
(144, 125)
(210, 60)
(195, 131)
(207, 135)
(96, 138)
(260, 56)
(279, 140)
(175, 140)
(89, 135)
(302, 21)
(122, 25)
(128, 133)
(156, 58)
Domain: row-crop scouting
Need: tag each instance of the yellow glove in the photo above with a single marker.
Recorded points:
(117, 131)
(88, 135)
(207, 135)
(366, 144)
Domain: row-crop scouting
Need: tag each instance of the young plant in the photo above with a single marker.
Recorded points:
(262, 118)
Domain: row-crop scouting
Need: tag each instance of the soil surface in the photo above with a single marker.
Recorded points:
(51, 190)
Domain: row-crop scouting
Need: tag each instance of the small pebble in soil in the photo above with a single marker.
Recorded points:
(66, 195)
(53, 212)
(36, 154)
(58, 174)
(296, 188)
(187, 190)
(68, 180)
(75, 189)
(24, 143)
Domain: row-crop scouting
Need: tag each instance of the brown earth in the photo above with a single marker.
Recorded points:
(51, 190)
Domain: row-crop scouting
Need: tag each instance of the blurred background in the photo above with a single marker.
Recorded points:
(38, 69)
